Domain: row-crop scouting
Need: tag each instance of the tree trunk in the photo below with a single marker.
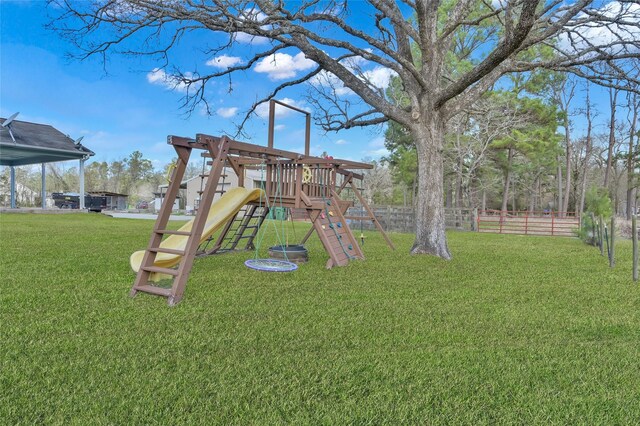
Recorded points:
(631, 187)
(613, 95)
(507, 180)
(558, 206)
(534, 194)
(567, 181)
(587, 155)
(430, 221)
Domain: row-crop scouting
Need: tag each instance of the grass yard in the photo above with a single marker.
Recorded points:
(516, 329)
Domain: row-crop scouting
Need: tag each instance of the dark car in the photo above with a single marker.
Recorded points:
(142, 205)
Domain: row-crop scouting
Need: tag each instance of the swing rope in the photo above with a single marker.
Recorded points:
(270, 265)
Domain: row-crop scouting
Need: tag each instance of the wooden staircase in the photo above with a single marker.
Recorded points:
(180, 275)
(334, 232)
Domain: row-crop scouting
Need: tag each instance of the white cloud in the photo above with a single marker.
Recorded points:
(251, 15)
(341, 142)
(377, 148)
(280, 66)
(263, 109)
(245, 38)
(585, 35)
(377, 142)
(378, 77)
(227, 112)
(329, 80)
(159, 77)
(355, 62)
(224, 61)
(279, 127)
(377, 153)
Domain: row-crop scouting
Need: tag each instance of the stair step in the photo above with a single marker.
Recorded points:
(167, 250)
(172, 232)
(159, 291)
(160, 270)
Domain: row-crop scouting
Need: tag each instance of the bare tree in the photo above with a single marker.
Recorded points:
(563, 95)
(613, 103)
(632, 161)
(378, 184)
(587, 151)
(411, 38)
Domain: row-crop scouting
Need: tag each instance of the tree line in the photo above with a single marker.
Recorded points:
(520, 149)
(133, 175)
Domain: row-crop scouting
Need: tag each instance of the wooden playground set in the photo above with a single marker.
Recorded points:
(291, 180)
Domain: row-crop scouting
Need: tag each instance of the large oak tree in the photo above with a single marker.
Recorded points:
(415, 39)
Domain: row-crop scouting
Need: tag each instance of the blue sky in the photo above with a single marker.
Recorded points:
(128, 107)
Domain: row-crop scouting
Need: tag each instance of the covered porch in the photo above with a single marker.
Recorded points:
(25, 143)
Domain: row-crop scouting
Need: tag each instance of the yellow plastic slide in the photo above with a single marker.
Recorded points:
(221, 211)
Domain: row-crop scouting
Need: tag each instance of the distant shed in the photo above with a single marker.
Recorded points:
(23, 143)
(115, 201)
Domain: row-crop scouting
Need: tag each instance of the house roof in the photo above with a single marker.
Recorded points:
(34, 143)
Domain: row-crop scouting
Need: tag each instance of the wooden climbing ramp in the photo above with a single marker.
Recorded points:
(334, 232)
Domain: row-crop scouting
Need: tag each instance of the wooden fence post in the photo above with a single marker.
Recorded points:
(634, 238)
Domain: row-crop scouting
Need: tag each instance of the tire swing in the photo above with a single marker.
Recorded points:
(268, 264)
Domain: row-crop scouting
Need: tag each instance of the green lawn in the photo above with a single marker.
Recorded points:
(526, 330)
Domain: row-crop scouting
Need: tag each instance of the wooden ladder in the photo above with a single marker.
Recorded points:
(181, 273)
(334, 232)
(246, 228)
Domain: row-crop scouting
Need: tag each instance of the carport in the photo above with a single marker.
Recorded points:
(24, 143)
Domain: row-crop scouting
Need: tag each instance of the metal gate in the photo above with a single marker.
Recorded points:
(561, 224)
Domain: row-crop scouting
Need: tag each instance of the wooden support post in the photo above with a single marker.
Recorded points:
(180, 281)
(142, 278)
(634, 238)
(299, 171)
(307, 135)
(272, 119)
(241, 175)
